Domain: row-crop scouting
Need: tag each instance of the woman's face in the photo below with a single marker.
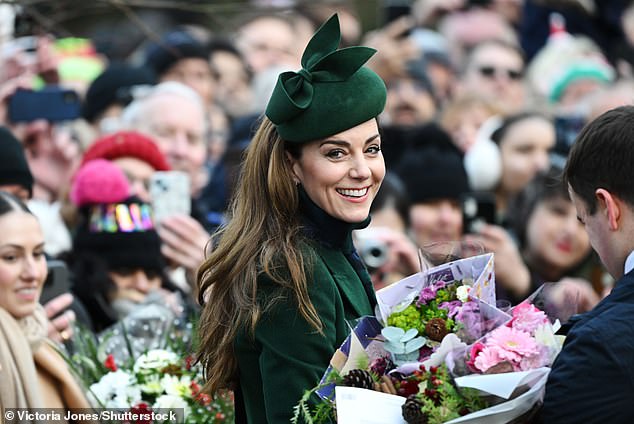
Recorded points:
(22, 263)
(436, 221)
(524, 149)
(343, 173)
(555, 238)
(134, 284)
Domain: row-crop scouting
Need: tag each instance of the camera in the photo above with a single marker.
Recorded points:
(374, 253)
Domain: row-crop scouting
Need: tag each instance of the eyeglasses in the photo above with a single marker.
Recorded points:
(492, 72)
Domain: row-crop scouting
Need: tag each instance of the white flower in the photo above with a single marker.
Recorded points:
(462, 293)
(155, 359)
(116, 390)
(152, 384)
(176, 386)
(546, 337)
(171, 402)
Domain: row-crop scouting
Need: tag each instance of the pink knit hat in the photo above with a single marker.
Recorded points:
(99, 181)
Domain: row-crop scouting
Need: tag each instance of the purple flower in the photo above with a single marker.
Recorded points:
(440, 284)
(469, 316)
(452, 307)
(426, 294)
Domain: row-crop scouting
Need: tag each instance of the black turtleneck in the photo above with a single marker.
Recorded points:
(335, 234)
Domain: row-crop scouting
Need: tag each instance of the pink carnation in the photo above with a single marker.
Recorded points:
(513, 342)
(476, 348)
(488, 357)
(527, 317)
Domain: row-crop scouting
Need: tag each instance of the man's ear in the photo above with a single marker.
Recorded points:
(611, 206)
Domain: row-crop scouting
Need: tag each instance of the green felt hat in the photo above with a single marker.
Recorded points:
(331, 93)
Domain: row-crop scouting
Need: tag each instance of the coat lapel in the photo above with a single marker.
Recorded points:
(347, 280)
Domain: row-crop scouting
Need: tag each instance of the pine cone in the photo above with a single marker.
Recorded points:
(358, 378)
(436, 329)
(413, 411)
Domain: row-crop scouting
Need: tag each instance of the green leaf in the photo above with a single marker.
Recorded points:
(396, 348)
(415, 344)
(409, 335)
(393, 333)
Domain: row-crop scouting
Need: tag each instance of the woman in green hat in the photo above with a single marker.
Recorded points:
(284, 280)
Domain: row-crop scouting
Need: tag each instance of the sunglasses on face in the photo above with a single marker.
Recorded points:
(492, 72)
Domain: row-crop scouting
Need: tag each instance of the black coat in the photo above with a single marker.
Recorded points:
(592, 379)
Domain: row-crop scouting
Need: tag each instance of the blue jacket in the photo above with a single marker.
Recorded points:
(592, 379)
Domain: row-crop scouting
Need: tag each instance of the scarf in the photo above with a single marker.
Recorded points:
(23, 349)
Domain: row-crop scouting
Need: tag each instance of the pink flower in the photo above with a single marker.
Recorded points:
(473, 354)
(514, 343)
(488, 357)
(540, 359)
(527, 317)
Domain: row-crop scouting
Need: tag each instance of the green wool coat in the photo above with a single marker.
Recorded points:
(287, 356)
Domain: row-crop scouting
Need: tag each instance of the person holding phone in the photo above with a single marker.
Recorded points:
(284, 279)
(173, 115)
(116, 259)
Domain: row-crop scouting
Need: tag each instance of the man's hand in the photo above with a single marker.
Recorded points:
(184, 242)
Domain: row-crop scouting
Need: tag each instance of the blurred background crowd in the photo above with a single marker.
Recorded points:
(101, 103)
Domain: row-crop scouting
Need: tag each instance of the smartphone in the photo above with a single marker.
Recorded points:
(169, 191)
(478, 208)
(51, 103)
(57, 281)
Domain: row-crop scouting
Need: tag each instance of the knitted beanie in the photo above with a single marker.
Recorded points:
(113, 87)
(99, 181)
(127, 144)
(115, 227)
(14, 168)
(433, 173)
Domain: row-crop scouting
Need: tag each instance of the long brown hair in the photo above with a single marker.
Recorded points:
(261, 236)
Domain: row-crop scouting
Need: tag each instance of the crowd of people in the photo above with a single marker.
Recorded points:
(324, 157)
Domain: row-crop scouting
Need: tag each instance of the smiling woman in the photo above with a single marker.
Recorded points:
(32, 372)
(343, 173)
(283, 279)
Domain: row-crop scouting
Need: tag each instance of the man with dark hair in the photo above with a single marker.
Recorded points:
(592, 379)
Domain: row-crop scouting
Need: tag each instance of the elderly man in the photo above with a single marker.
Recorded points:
(174, 116)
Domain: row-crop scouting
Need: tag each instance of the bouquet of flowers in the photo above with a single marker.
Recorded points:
(121, 375)
(526, 342)
(454, 298)
(429, 353)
